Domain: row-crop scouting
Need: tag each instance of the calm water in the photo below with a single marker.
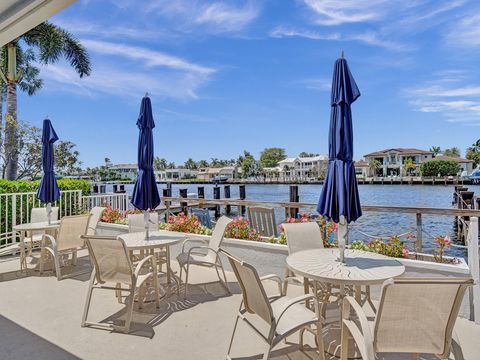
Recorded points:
(379, 224)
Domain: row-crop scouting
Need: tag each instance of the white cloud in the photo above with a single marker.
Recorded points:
(336, 12)
(321, 84)
(370, 38)
(465, 32)
(134, 71)
(150, 58)
(454, 100)
(213, 17)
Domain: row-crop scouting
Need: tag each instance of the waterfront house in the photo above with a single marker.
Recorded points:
(392, 161)
(210, 173)
(180, 173)
(302, 168)
(361, 169)
(126, 171)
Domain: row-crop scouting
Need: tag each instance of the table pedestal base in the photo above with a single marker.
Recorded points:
(332, 342)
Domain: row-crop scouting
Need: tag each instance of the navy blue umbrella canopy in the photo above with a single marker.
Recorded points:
(340, 192)
(48, 191)
(145, 193)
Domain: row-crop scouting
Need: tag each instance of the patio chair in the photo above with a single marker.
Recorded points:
(414, 316)
(67, 241)
(284, 315)
(301, 236)
(112, 268)
(210, 258)
(262, 219)
(96, 213)
(203, 215)
(33, 239)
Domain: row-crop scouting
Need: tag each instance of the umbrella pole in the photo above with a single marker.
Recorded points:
(342, 237)
(49, 213)
(146, 219)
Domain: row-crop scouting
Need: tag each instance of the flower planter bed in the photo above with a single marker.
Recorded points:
(414, 261)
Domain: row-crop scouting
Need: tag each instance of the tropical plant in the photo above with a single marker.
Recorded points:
(159, 164)
(185, 223)
(46, 44)
(443, 242)
(202, 164)
(473, 152)
(435, 150)
(452, 152)
(270, 157)
(190, 164)
(409, 165)
(439, 167)
(240, 228)
(307, 154)
(374, 165)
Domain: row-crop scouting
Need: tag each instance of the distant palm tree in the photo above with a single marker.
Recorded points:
(374, 165)
(46, 44)
(190, 164)
(435, 150)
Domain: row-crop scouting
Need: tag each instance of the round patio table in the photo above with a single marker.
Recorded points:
(23, 229)
(361, 268)
(157, 240)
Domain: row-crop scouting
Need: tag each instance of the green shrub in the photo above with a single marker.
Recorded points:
(442, 167)
(24, 204)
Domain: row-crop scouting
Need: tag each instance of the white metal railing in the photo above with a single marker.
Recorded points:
(15, 208)
(116, 201)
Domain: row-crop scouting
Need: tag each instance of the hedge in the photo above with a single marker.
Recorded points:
(442, 167)
(24, 203)
(21, 186)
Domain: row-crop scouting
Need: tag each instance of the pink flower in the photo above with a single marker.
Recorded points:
(405, 252)
(282, 229)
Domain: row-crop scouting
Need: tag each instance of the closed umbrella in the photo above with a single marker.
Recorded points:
(48, 191)
(145, 193)
(339, 200)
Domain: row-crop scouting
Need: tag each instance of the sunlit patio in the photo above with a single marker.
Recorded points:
(42, 316)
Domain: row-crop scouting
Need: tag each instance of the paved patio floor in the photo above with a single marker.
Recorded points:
(40, 319)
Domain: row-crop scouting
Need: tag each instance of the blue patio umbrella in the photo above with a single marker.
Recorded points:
(48, 191)
(145, 193)
(339, 200)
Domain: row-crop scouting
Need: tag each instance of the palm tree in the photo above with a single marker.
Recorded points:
(202, 164)
(374, 165)
(435, 150)
(190, 164)
(50, 43)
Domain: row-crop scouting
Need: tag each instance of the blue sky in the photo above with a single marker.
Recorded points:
(225, 76)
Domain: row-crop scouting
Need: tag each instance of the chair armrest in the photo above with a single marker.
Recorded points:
(202, 247)
(193, 239)
(362, 335)
(143, 262)
(102, 237)
(49, 238)
(300, 299)
(275, 278)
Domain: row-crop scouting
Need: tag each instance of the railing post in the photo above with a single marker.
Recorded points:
(14, 210)
(294, 198)
(473, 259)
(243, 196)
(418, 243)
(184, 205)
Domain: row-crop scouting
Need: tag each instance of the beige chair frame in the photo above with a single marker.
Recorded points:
(365, 336)
(209, 259)
(96, 213)
(260, 304)
(56, 247)
(135, 285)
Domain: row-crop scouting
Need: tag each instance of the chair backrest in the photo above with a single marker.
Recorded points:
(418, 315)
(71, 230)
(262, 219)
(110, 260)
(255, 298)
(218, 232)
(40, 215)
(303, 236)
(96, 213)
(136, 222)
(203, 215)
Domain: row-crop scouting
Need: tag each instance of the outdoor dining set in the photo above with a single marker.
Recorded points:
(337, 306)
